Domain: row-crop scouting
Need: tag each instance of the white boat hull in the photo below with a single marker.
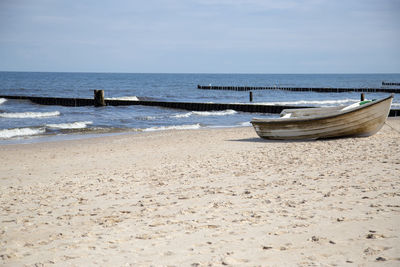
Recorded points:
(364, 120)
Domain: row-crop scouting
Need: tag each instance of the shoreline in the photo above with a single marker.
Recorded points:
(115, 132)
(200, 197)
(81, 136)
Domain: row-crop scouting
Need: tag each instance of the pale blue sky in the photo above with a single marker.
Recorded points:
(208, 36)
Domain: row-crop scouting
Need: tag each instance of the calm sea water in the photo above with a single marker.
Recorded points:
(23, 121)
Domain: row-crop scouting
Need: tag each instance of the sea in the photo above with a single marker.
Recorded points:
(22, 121)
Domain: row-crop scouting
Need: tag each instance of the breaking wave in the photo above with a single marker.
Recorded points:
(18, 132)
(246, 123)
(206, 113)
(215, 113)
(130, 98)
(72, 125)
(312, 102)
(24, 115)
(174, 127)
(185, 115)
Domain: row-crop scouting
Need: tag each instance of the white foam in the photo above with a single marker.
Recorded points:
(2, 100)
(17, 132)
(24, 115)
(215, 113)
(130, 98)
(246, 123)
(206, 113)
(311, 102)
(72, 125)
(174, 127)
(395, 104)
(185, 115)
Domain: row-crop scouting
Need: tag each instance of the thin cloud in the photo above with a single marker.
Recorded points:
(200, 35)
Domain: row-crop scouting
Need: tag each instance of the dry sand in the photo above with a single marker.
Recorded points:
(199, 198)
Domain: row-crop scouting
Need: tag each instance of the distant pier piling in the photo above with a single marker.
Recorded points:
(391, 83)
(300, 89)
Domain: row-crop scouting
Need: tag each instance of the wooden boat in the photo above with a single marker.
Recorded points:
(364, 118)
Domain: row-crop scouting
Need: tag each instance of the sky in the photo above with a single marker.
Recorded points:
(200, 36)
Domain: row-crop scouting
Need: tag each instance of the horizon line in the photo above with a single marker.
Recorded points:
(223, 73)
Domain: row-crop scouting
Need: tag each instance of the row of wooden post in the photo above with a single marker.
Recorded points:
(251, 96)
(100, 102)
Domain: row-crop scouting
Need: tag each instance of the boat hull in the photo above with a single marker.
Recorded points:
(364, 120)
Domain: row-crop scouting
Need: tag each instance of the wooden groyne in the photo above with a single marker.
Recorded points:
(300, 89)
(191, 106)
(391, 83)
(59, 101)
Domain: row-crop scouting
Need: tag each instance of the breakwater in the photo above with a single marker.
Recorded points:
(300, 89)
(191, 106)
(391, 83)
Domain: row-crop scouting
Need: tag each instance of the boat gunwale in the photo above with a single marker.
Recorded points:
(256, 121)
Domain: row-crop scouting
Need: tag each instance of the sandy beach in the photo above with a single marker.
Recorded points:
(202, 198)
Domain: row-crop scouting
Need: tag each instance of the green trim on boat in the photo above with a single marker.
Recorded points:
(365, 102)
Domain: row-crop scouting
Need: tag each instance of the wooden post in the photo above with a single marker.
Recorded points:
(362, 97)
(251, 96)
(99, 98)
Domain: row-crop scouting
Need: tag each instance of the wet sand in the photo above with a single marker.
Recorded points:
(202, 197)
